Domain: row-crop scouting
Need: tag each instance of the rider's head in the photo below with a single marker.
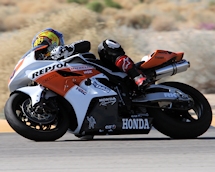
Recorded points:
(49, 37)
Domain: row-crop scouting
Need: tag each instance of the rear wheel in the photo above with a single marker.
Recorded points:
(184, 124)
(46, 124)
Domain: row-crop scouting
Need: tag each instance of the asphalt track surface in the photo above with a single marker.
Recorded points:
(126, 153)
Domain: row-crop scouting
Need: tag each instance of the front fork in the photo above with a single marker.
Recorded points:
(36, 93)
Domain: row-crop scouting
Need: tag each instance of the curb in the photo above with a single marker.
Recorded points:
(5, 127)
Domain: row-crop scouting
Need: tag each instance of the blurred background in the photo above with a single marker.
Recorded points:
(141, 26)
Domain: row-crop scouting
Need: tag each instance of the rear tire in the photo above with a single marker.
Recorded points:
(181, 124)
(29, 129)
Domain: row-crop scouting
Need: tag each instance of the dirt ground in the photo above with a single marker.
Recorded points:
(4, 127)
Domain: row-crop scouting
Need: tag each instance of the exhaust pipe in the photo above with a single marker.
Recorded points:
(172, 69)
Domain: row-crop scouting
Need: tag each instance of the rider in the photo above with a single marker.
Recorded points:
(110, 52)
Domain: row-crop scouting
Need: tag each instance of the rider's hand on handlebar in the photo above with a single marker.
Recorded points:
(62, 52)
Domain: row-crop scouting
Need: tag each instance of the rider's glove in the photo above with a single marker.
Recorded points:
(62, 52)
(57, 52)
(70, 48)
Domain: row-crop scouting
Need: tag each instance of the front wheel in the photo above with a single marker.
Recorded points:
(184, 124)
(45, 125)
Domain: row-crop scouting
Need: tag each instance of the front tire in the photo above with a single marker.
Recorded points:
(30, 129)
(181, 124)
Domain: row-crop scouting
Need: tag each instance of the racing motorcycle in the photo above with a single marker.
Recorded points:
(80, 94)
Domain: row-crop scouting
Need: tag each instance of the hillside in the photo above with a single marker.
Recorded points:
(140, 26)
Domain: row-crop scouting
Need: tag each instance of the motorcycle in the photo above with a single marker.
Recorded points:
(80, 94)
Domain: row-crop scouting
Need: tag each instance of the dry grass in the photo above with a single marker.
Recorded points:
(163, 23)
(8, 2)
(21, 20)
(128, 4)
(15, 14)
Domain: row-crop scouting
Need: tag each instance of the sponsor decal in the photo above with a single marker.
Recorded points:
(81, 90)
(88, 71)
(126, 64)
(49, 78)
(101, 87)
(110, 127)
(135, 123)
(171, 95)
(48, 69)
(159, 57)
(101, 131)
(91, 121)
(81, 67)
(139, 115)
(106, 101)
